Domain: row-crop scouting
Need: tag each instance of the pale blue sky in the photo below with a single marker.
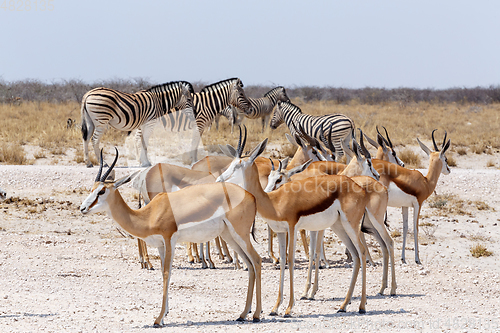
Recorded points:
(352, 44)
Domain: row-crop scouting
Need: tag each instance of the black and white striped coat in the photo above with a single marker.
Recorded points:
(212, 100)
(338, 126)
(103, 107)
(262, 107)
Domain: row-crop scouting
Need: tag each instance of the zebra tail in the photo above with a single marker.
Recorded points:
(85, 129)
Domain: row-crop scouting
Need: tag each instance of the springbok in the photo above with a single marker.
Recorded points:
(196, 213)
(314, 205)
(409, 188)
(377, 205)
(166, 178)
(385, 150)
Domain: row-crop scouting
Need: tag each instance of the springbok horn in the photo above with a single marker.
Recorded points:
(434, 141)
(111, 167)
(244, 140)
(444, 140)
(280, 167)
(362, 145)
(385, 140)
(98, 178)
(272, 164)
(387, 135)
(238, 148)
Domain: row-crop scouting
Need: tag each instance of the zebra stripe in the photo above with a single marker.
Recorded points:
(341, 126)
(263, 106)
(212, 100)
(125, 112)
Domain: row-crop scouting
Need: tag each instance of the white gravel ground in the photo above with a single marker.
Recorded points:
(64, 272)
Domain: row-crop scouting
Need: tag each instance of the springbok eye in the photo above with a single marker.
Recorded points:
(101, 192)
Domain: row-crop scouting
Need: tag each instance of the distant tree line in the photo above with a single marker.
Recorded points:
(73, 90)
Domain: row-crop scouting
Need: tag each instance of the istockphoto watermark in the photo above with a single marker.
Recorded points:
(381, 325)
(27, 5)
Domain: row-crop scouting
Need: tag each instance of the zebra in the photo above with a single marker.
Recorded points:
(126, 112)
(213, 99)
(231, 114)
(263, 107)
(338, 126)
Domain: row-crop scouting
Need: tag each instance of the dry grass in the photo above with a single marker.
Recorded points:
(410, 158)
(479, 250)
(21, 125)
(395, 234)
(490, 163)
(452, 162)
(461, 151)
(451, 204)
(13, 153)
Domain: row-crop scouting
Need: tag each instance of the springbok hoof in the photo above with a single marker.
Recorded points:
(256, 320)
(157, 325)
(240, 319)
(362, 311)
(340, 310)
(273, 313)
(287, 315)
(303, 297)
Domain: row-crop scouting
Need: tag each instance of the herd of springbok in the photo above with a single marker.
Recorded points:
(220, 197)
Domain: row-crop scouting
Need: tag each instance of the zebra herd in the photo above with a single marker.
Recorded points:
(180, 109)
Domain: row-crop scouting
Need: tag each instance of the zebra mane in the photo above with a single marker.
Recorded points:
(290, 106)
(270, 92)
(170, 84)
(215, 85)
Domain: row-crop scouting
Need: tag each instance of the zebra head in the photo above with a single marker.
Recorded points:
(237, 97)
(282, 96)
(278, 117)
(185, 100)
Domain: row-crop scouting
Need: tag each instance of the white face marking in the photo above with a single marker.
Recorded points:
(100, 195)
(275, 180)
(235, 173)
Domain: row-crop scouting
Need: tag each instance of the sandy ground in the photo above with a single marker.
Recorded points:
(64, 272)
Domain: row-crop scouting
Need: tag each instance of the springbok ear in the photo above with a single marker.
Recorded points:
(285, 162)
(445, 148)
(347, 150)
(291, 140)
(258, 150)
(299, 168)
(371, 141)
(229, 152)
(125, 180)
(424, 147)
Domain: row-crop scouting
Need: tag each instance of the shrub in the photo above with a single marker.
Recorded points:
(480, 250)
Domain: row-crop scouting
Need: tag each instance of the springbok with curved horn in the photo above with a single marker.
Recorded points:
(385, 149)
(377, 205)
(409, 188)
(327, 201)
(196, 213)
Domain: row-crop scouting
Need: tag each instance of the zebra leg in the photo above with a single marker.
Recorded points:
(146, 130)
(96, 139)
(194, 145)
